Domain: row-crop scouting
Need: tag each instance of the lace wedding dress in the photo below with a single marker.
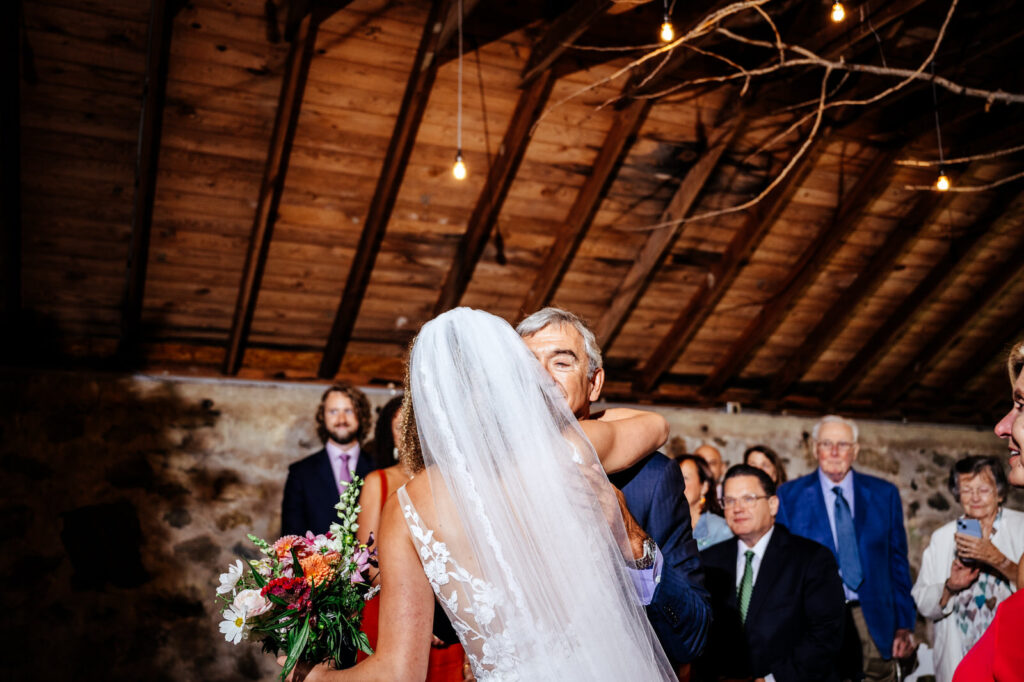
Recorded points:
(518, 532)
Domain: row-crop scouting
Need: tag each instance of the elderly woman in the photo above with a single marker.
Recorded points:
(768, 461)
(709, 528)
(964, 578)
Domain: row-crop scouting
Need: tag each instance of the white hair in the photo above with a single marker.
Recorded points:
(546, 317)
(835, 419)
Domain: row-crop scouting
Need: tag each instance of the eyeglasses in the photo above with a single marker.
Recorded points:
(746, 502)
(982, 492)
(842, 446)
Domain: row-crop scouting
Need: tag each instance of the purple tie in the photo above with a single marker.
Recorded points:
(345, 476)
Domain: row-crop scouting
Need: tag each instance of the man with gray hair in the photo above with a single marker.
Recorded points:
(679, 609)
(859, 518)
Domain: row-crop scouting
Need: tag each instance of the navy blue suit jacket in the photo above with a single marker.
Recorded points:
(310, 493)
(794, 625)
(878, 521)
(680, 611)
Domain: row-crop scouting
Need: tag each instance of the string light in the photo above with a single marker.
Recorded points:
(668, 33)
(459, 169)
(838, 12)
(942, 183)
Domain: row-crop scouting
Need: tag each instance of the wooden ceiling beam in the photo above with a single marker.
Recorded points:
(147, 161)
(275, 171)
(995, 287)
(901, 240)
(961, 251)
(869, 186)
(659, 242)
(618, 140)
(437, 32)
(560, 36)
(744, 242)
(492, 197)
(995, 346)
(10, 165)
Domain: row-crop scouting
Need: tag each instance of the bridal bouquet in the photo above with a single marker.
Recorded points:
(305, 596)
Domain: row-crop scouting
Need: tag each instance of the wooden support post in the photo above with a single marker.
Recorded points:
(437, 33)
(492, 196)
(289, 104)
(621, 135)
(147, 162)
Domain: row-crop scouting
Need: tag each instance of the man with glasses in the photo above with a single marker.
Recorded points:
(859, 518)
(776, 597)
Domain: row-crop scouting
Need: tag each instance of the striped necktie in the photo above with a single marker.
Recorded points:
(746, 585)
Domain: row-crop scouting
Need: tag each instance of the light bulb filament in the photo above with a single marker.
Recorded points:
(838, 12)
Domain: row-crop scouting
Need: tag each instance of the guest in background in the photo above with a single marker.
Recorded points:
(963, 578)
(713, 457)
(859, 518)
(709, 527)
(999, 654)
(447, 659)
(768, 461)
(314, 483)
(776, 597)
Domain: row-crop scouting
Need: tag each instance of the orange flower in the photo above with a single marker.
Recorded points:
(316, 568)
(283, 547)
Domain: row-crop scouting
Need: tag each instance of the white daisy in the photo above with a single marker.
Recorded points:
(233, 625)
(230, 579)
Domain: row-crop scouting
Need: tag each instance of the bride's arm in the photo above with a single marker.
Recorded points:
(406, 611)
(625, 436)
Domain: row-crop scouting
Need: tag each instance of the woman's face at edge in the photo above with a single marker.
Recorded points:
(1011, 429)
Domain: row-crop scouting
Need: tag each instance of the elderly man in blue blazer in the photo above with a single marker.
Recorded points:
(678, 605)
(859, 518)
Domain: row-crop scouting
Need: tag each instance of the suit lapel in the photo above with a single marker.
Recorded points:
(732, 597)
(819, 528)
(364, 465)
(326, 485)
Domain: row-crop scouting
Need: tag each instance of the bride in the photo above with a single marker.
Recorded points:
(510, 521)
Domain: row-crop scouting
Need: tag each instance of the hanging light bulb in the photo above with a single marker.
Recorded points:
(838, 12)
(942, 183)
(459, 169)
(668, 33)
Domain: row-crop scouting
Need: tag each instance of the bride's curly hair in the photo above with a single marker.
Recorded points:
(409, 451)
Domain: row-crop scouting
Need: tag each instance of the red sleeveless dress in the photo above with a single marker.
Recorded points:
(445, 663)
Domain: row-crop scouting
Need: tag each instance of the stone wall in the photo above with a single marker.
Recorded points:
(126, 496)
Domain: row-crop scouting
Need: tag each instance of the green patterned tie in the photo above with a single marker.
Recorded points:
(746, 585)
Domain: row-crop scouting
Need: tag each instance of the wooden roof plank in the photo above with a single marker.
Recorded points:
(872, 182)
(659, 242)
(967, 315)
(961, 252)
(158, 54)
(621, 135)
(996, 343)
(721, 276)
(867, 282)
(289, 104)
(437, 31)
(560, 36)
(499, 179)
(10, 164)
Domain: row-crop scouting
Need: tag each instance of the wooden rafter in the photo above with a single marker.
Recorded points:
(867, 282)
(289, 104)
(620, 136)
(659, 242)
(711, 290)
(961, 252)
(995, 346)
(562, 33)
(499, 179)
(147, 157)
(869, 186)
(437, 32)
(10, 165)
(994, 288)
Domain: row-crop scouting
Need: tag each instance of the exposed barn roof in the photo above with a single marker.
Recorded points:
(263, 188)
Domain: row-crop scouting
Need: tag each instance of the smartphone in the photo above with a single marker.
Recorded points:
(970, 527)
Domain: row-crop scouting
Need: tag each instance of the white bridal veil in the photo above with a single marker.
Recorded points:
(521, 537)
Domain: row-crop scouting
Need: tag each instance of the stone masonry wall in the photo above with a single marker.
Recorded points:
(126, 496)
